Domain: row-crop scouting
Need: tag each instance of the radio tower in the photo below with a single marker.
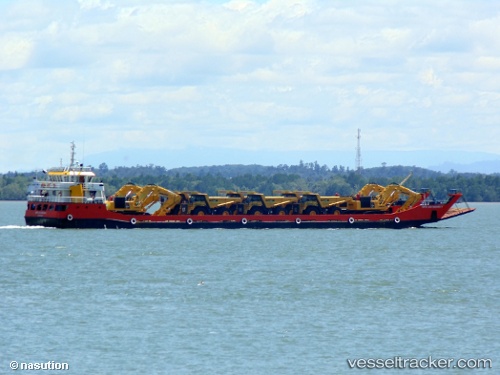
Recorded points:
(358, 153)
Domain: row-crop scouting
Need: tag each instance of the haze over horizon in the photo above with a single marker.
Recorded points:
(464, 162)
(268, 82)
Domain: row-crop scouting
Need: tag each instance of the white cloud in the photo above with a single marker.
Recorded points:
(429, 77)
(92, 4)
(248, 73)
(15, 51)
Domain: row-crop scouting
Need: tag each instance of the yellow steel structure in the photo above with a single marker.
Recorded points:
(132, 198)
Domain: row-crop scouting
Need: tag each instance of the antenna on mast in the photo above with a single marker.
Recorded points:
(358, 153)
(72, 153)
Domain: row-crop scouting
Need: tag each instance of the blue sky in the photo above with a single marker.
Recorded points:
(220, 82)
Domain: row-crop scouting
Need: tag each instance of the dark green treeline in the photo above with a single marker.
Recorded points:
(304, 176)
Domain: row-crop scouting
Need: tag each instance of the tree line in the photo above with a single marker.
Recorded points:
(266, 179)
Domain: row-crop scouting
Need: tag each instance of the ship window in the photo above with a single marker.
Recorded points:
(33, 207)
(61, 207)
(51, 208)
(45, 207)
(39, 207)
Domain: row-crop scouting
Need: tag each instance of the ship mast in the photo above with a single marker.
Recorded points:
(358, 153)
(72, 154)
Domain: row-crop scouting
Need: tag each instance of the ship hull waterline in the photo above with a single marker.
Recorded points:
(85, 217)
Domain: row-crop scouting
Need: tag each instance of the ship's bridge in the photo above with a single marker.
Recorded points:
(80, 175)
(71, 184)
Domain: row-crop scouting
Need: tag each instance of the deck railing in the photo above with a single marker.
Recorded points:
(64, 199)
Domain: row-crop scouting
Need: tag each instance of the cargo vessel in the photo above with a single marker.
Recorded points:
(72, 197)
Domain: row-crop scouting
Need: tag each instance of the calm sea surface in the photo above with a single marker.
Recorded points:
(248, 301)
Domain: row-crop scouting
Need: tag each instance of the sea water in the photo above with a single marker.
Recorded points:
(296, 301)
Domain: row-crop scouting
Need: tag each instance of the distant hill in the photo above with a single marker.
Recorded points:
(310, 176)
(486, 167)
(304, 170)
(399, 171)
(437, 160)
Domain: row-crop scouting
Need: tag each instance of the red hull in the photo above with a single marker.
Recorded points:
(95, 215)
